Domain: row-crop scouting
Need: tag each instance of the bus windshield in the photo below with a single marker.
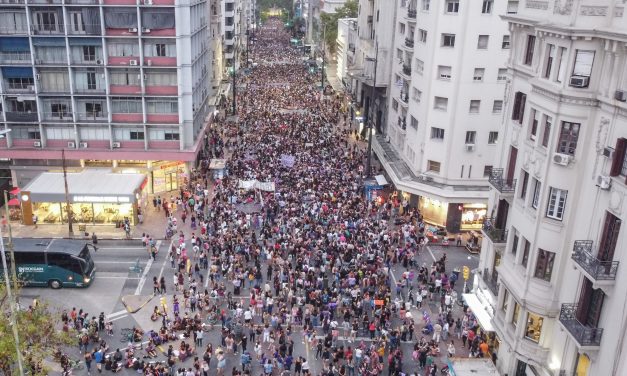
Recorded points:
(86, 261)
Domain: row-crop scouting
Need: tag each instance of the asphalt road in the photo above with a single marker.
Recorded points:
(114, 280)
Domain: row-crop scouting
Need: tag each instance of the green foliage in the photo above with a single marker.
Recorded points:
(39, 331)
(329, 22)
(264, 5)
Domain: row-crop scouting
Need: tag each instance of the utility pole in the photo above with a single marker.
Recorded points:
(10, 245)
(370, 112)
(234, 70)
(12, 304)
(68, 208)
(324, 50)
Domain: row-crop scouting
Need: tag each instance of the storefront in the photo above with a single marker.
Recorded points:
(96, 197)
(169, 176)
(480, 303)
(454, 216)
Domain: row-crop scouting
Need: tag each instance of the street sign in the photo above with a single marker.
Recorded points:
(466, 273)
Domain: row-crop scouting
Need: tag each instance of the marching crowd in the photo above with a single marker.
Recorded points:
(300, 257)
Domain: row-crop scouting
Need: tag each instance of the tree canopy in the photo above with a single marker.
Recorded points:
(329, 22)
(40, 335)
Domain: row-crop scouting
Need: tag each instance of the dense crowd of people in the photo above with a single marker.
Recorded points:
(292, 249)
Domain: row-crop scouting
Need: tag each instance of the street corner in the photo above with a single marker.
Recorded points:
(134, 303)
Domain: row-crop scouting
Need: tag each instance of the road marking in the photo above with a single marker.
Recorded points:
(166, 258)
(116, 262)
(118, 313)
(143, 278)
(119, 248)
(116, 277)
(432, 255)
(117, 318)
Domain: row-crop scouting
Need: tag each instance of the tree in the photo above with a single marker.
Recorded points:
(329, 22)
(40, 335)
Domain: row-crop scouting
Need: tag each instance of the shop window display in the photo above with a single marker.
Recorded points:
(533, 330)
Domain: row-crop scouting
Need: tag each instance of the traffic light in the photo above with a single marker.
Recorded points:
(466, 273)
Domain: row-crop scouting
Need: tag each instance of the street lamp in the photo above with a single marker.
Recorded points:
(234, 71)
(368, 114)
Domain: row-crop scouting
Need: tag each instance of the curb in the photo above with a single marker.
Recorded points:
(131, 310)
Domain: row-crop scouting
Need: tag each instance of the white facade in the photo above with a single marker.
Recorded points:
(555, 243)
(346, 33)
(446, 99)
(330, 6)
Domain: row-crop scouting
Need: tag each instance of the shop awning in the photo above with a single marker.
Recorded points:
(479, 311)
(14, 191)
(91, 185)
(14, 202)
(381, 180)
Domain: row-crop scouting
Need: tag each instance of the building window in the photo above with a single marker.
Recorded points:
(426, 4)
(448, 40)
(619, 161)
(569, 135)
(478, 74)
(534, 327)
(546, 131)
(420, 66)
(482, 42)
(557, 203)
(171, 136)
(523, 186)
(440, 103)
(497, 106)
(437, 133)
(550, 58)
(399, 54)
(486, 8)
(516, 314)
(544, 265)
(526, 250)
(413, 122)
(416, 95)
(493, 137)
(452, 6)
(537, 189)
(562, 58)
(583, 63)
(475, 105)
(531, 45)
(422, 35)
(505, 300)
(512, 6)
(515, 244)
(533, 124)
(505, 43)
(394, 104)
(518, 111)
(136, 135)
(487, 171)
(433, 166)
(444, 72)
(93, 109)
(160, 49)
(470, 137)
(501, 75)
(89, 53)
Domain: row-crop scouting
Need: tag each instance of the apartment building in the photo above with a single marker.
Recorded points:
(118, 83)
(445, 105)
(369, 39)
(553, 277)
(345, 44)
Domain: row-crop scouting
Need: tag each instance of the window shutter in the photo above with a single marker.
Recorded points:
(584, 301)
(517, 98)
(521, 113)
(619, 155)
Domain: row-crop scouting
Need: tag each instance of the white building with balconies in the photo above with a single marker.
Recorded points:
(552, 253)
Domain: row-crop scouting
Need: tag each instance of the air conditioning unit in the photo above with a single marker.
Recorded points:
(83, 145)
(579, 81)
(132, 30)
(99, 62)
(149, 62)
(561, 159)
(31, 87)
(608, 152)
(37, 144)
(620, 95)
(470, 147)
(132, 62)
(604, 182)
(116, 145)
(71, 144)
(145, 31)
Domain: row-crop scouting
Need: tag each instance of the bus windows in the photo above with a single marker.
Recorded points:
(66, 262)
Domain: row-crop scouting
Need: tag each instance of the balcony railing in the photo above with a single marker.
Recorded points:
(402, 122)
(584, 335)
(407, 70)
(21, 116)
(409, 43)
(15, 57)
(499, 183)
(47, 28)
(57, 116)
(597, 269)
(491, 280)
(411, 13)
(12, 30)
(404, 97)
(92, 116)
(497, 235)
